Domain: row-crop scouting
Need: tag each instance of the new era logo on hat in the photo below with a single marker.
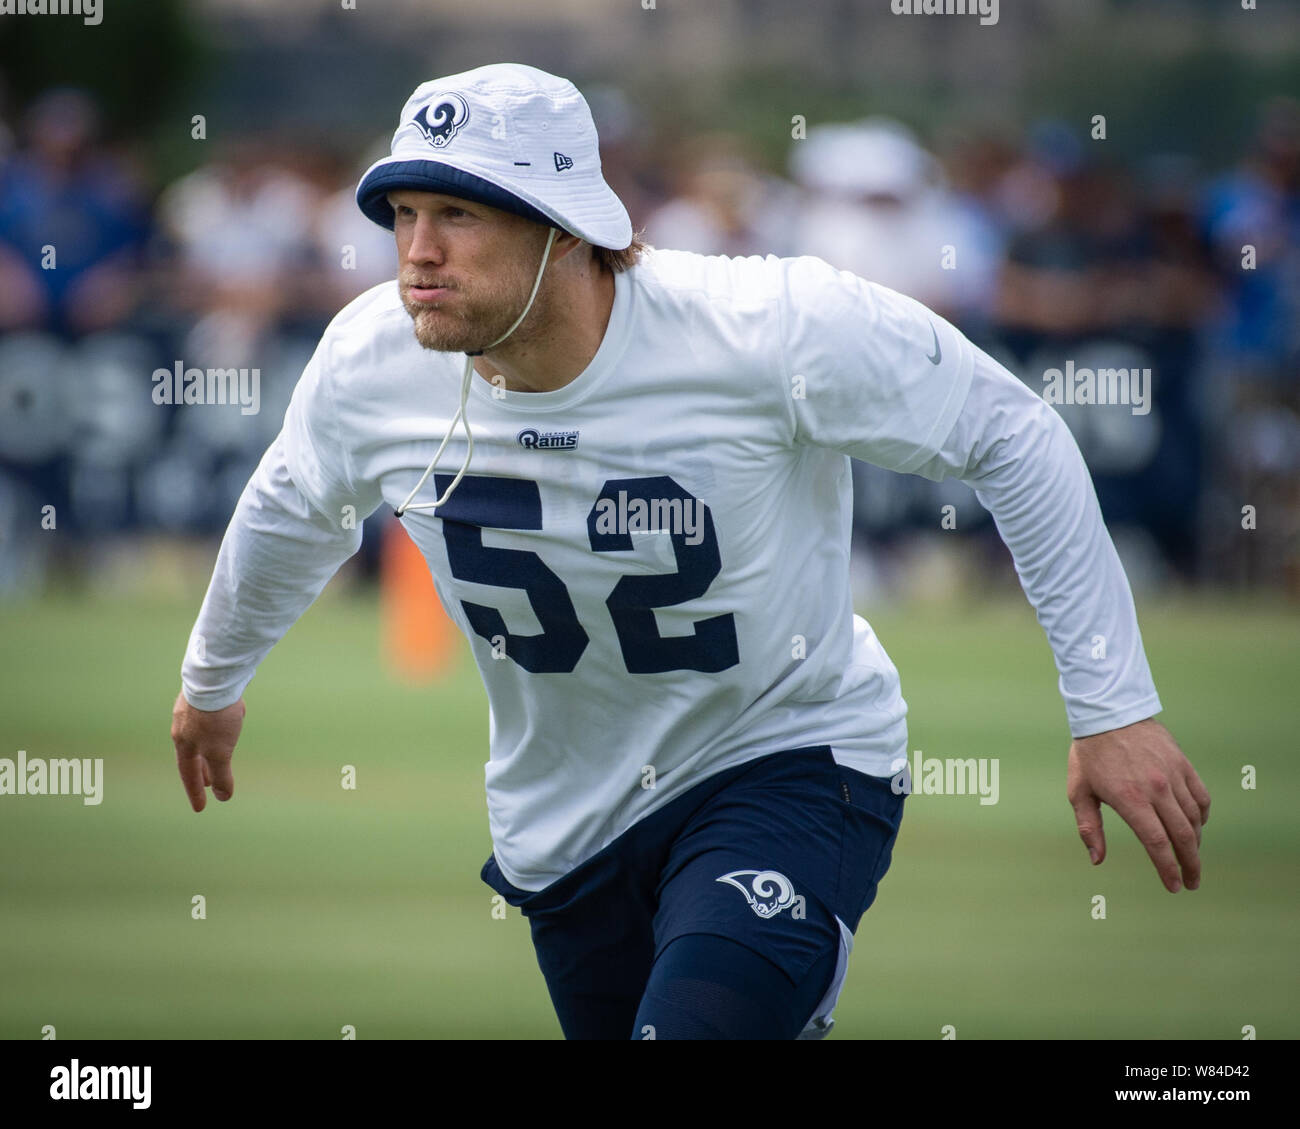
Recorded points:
(507, 135)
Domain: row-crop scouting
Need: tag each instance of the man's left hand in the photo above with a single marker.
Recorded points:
(1141, 772)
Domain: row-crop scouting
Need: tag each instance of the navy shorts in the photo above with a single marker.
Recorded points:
(782, 854)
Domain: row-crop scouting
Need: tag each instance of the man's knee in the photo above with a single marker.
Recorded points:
(709, 987)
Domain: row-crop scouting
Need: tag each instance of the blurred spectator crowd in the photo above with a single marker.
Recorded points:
(1035, 244)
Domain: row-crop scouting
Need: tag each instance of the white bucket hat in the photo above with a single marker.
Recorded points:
(509, 136)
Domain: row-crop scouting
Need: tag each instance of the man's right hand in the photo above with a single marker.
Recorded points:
(205, 742)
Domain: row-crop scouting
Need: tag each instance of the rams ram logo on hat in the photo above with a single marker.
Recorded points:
(449, 114)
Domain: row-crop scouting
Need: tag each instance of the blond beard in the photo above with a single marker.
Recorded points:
(476, 324)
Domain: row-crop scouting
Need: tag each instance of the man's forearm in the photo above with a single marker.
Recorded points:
(277, 555)
(1026, 469)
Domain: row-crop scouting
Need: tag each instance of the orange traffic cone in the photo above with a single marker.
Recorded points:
(419, 637)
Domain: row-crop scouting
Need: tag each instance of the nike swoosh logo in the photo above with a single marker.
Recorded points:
(938, 353)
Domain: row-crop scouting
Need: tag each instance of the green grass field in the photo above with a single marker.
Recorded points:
(328, 907)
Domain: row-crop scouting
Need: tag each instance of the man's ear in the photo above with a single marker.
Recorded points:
(565, 244)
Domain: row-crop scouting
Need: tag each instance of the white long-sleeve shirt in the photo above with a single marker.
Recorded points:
(651, 563)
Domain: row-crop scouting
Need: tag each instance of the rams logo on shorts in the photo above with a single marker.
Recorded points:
(767, 891)
(441, 119)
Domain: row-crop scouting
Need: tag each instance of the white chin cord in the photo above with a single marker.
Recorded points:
(460, 416)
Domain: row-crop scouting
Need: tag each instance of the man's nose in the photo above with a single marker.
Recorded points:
(426, 244)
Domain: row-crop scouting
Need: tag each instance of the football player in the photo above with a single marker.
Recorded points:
(642, 526)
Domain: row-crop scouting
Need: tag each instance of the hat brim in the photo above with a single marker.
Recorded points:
(434, 176)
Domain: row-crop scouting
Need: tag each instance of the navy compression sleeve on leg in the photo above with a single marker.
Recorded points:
(709, 987)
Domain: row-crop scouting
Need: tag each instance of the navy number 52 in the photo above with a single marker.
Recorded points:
(482, 502)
